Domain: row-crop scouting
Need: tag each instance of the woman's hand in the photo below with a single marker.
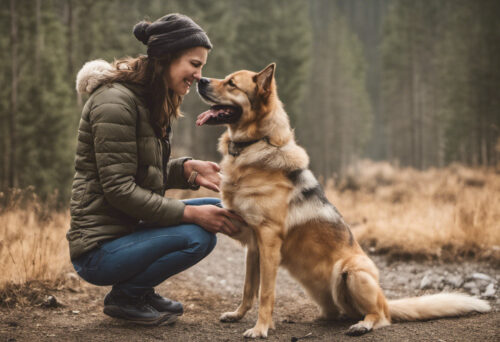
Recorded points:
(212, 219)
(208, 173)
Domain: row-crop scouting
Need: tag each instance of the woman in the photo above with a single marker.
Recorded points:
(123, 231)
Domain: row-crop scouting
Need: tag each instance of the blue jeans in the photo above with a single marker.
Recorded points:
(138, 262)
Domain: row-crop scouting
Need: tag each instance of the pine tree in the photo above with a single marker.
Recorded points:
(337, 116)
(45, 150)
(276, 31)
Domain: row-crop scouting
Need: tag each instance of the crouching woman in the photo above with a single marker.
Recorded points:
(124, 232)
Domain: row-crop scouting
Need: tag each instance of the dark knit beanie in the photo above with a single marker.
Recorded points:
(171, 33)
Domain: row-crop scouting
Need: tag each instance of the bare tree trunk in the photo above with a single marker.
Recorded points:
(5, 153)
(410, 81)
(69, 38)
(38, 40)
(12, 168)
(484, 143)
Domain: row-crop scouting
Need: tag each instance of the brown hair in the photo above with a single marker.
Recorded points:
(162, 102)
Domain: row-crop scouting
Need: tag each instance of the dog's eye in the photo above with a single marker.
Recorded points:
(231, 83)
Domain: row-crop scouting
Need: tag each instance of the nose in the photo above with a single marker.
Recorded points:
(197, 75)
(203, 81)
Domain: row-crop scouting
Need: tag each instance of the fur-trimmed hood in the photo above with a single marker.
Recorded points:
(92, 75)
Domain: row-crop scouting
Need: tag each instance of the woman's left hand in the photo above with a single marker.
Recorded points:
(208, 173)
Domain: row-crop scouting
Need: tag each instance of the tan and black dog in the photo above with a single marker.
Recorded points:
(266, 180)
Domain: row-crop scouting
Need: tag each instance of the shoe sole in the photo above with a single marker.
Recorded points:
(115, 312)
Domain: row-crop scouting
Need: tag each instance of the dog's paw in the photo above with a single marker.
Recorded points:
(256, 332)
(229, 317)
(357, 329)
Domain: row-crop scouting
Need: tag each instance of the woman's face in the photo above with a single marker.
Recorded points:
(184, 70)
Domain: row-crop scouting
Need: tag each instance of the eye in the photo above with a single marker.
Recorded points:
(231, 83)
(196, 64)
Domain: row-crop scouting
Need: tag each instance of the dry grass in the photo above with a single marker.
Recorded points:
(445, 213)
(437, 213)
(33, 247)
(34, 254)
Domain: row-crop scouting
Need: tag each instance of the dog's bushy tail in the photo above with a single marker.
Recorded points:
(435, 306)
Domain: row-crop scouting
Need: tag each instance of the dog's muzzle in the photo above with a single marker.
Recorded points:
(218, 114)
(203, 85)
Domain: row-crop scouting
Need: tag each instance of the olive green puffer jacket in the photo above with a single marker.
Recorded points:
(120, 176)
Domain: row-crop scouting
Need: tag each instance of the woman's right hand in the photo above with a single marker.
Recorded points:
(212, 218)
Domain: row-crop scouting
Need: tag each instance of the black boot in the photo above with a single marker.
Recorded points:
(135, 309)
(163, 304)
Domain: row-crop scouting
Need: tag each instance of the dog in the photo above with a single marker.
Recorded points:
(291, 223)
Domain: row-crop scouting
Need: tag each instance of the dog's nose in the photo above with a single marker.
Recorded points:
(204, 81)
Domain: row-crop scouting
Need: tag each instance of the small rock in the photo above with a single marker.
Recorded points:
(51, 302)
(426, 283)
(489, 292)
(481, 284)
(75, 312)
(481, 276)
(439, 282)
(455, 281)
(471, 287)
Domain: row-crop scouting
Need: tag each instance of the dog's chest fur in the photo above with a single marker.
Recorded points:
(276, 186)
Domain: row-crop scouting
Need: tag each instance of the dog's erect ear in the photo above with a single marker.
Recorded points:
(265, 77)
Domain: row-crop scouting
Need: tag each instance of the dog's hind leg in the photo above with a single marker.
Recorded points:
(251, 288)
(361, 295)
(270, 256)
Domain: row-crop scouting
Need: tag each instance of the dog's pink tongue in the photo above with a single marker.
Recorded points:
(205, 116)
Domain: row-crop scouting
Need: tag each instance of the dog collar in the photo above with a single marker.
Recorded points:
(235, 148)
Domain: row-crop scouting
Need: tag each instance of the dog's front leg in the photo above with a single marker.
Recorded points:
(270, 255)
(251, 288)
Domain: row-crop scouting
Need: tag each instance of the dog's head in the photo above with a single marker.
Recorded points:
(240, 99)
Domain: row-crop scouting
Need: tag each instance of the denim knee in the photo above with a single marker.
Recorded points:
(212, 243)
(202, 241)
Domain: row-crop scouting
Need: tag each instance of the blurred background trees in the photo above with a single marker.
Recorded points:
(412, 82)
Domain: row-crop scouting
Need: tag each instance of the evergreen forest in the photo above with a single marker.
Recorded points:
(412, 82)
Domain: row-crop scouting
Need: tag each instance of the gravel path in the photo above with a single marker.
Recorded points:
(214, 286)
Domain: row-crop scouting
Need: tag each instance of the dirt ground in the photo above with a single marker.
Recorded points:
(214, 286)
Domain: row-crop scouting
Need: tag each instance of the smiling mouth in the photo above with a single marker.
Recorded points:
(219, 114)
(189, 84)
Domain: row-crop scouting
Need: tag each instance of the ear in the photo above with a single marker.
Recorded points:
(265, 77)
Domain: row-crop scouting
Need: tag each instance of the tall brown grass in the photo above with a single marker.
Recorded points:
(440, 213)
(436, 213)
(32, 238)
(33, 245)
